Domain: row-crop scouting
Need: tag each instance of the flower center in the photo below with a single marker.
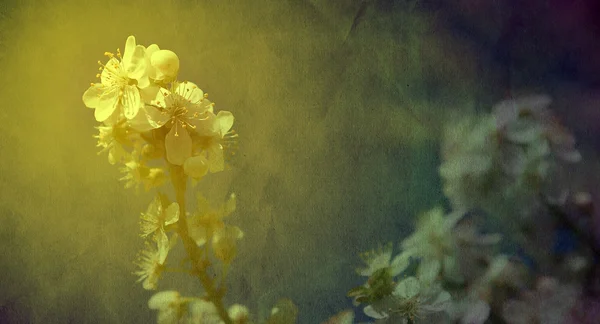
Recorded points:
(113, 73)
(179, 115)
(409, 308)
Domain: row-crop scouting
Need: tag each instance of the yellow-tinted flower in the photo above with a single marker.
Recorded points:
(180, 110)
(207, 220)
(111, 139)
(157, 216)
(216, 135)
(151, 261)
(137, 173)
(121, 80)
(108, 143)
(433, 243)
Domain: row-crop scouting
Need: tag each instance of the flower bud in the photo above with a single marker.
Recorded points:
(196, 166)
(238, 313)
(166, 65)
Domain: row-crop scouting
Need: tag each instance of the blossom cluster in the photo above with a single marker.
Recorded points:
(507, 155)
(151, 120)
(451, 270)
(154, 125)
(412, 287)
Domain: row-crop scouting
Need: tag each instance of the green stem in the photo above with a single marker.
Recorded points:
(199, 266)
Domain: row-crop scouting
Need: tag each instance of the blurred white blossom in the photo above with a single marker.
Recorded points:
(434, 244)
(410, 300)
(507, 155)
(381, 258)
(550, 302)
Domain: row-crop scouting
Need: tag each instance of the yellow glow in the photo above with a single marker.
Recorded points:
(312, 173)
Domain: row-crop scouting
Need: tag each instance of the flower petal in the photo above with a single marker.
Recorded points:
(143, 82)
(478, 313)
(151, 49)
(163, 246)
(148, 54)
(429, 270)
(206, 124)
(523, 131)
(107, 103)
(149, 94)
(136, 65)
(371, 312)
(408, 288)
(141, 122)
(399, 264)
(154, 209)
(190, 91)
(441, 303)
(91, 97)
(130, 46)
(131, 101)
(114, 118)
(112, 72)
(155, 117)
(225, 119)
(178, 144)
(172, 214)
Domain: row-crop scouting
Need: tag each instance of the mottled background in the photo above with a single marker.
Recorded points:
(338, 104)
